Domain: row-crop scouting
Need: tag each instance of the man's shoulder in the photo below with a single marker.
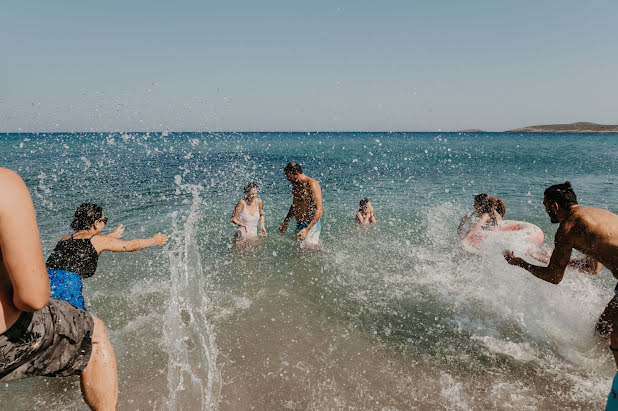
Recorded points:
(313, 181)
(11, 185)
(584, 215)
(591, 218)
(583, 210)
(598, 211)
(9, 176)
(581, 221)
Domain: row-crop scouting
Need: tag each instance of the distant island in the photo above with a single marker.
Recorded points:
(580, 127)
(472, 130)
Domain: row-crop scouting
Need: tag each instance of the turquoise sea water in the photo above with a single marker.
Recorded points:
(394, 316)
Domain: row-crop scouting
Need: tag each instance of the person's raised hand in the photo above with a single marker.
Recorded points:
(302, 233)
(117, 233)
(159, 239)
(510, 258)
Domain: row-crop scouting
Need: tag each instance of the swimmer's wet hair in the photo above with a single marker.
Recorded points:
(86, 215)
(250, 186)
(363, 202)
(500, 206)
(293, 168)
(562, 194)
(488, 203)
(485, 202)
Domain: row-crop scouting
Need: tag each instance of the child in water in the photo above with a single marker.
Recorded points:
(365, 214)
(489, 209)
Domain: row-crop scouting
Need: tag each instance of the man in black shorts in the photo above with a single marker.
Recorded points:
(39, 335)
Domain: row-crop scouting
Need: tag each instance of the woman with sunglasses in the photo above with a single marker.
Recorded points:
(75, 256)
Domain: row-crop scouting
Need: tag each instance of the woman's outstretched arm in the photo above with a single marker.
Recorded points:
(108, 243)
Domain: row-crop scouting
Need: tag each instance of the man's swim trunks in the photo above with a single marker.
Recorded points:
(313, 236)
(66, 286)
(55, 341)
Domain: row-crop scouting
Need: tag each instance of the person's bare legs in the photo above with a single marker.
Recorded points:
(100, 378)
(607, 327)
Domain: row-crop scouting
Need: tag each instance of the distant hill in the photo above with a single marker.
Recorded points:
(581, 127)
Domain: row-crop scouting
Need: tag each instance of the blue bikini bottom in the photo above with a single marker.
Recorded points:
(66, 286)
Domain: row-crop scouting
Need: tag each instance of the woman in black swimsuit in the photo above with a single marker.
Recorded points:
(75, 256)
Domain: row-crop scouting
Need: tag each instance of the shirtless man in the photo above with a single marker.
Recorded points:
(306, 205)
(39, 335)
(594, 232)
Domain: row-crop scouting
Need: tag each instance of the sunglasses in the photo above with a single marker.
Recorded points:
(103, 220)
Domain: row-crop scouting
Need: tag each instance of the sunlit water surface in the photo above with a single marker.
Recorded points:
(393, 316)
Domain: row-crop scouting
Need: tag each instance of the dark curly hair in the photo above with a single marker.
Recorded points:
(489, 203)
(485, 202)
(86, 215)
(500, 206)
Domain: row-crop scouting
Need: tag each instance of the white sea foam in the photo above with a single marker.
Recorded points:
(452, 392)
(519, 351)
(502, 308)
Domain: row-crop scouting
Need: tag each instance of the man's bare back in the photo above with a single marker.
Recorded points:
(27, 288)
(594, 232)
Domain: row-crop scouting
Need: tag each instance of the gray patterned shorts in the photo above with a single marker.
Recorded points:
(54, 342)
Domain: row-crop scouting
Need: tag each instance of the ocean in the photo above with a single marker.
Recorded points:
(393, 316)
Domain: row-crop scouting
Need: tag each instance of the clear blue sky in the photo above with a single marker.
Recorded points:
(318, 65)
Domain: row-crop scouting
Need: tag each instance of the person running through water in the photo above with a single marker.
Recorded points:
(489, 209)
(75, 256)
(42, 336)
(247, 213)
(594, 232)
(365, 214)
(306, 205)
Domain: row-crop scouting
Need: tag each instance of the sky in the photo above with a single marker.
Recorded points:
(306, 66)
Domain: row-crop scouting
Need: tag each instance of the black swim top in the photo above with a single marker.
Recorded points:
(76, 255)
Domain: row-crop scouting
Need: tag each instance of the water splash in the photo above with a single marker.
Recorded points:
(194, 381)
